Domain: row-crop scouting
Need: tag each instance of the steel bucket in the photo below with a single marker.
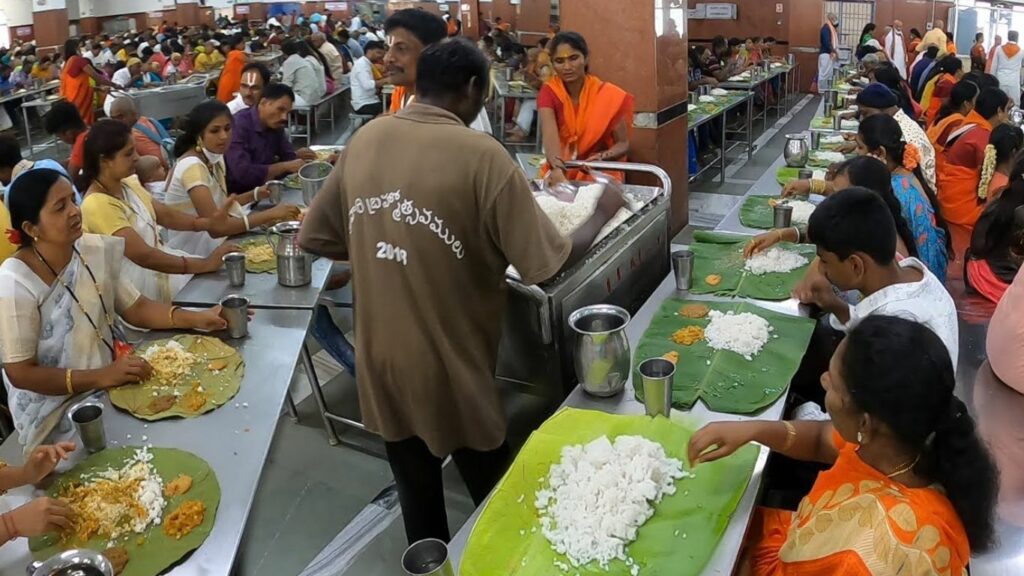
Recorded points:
(796, 151)
(602, 353)
(312, 176)
(294, 265)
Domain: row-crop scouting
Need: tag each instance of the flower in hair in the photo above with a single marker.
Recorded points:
(14, 236)
(911, 157)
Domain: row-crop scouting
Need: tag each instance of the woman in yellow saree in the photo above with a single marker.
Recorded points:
(911, 490)
(581, 116)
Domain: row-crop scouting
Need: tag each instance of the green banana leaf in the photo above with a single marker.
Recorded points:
(220, 386)
(724, 380)
(722, 255)
(157, 551)
(785, 175)
(756, 211)
(257, 267)
(678, 540)
(292, 181)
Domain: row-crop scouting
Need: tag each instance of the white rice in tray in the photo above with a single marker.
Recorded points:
(802, 211)
(599, 494)
(772, 260)
(743, 333)
(568, 216)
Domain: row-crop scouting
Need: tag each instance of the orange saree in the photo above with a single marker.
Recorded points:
(940, 131)
(76, 88)
(957, 189)
(587, 130)
(231, 76)
(858, 522)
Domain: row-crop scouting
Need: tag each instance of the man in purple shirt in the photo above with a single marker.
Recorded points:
(260, 149)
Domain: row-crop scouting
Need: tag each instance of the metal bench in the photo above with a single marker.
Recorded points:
(311, 109)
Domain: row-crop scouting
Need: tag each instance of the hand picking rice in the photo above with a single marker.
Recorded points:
(743, 333)
(599, 494)
(773, 260)
(802, 210)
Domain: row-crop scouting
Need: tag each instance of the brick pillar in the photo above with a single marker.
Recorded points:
(643, 50)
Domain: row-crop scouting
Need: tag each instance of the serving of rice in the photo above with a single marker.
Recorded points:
(743, 333)
(802, 211)
(774, 260)
(568, 216)
(599, 494)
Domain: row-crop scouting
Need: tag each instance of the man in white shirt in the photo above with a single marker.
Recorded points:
(896, 48)
(297, 73)
(850, 259)
(130, 75)
(254, 77)
(98, 56)
(364, 88)
(335, 61)
(409, 32)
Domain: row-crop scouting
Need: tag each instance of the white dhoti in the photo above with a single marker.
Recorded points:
(824, 69)
(896, 50)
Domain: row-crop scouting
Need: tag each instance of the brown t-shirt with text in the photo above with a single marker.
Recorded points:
(431, 213)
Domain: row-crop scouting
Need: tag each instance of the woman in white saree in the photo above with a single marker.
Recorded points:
(59, 295)
(197, 185)
(117, 204)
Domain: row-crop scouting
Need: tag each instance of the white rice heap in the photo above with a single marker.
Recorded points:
(599, 495)
(568, 216)
(774, 259)
(743, 333)
(826, 156)
(802, 210)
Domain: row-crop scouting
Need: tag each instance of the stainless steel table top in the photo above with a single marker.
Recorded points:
(27, 93)
(262, 290)
(234, 439)
(751, 83)
(694, 122)
(501, 86)
(724, 559)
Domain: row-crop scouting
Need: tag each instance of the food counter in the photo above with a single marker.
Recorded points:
(171, 101)
(624, 268)
(234, 439)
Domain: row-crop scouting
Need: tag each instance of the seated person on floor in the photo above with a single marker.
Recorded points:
(856, 239)
(997, 243)
(910, 482)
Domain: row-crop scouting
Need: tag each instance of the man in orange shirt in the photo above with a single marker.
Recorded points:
(148, 134)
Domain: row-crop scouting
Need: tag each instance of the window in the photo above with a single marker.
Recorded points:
(853, 16)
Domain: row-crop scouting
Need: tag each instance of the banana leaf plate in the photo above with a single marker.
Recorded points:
(151, 552)
(724, 380)
(257, 267)
(678, 540)
(721, 255)
(215, 377)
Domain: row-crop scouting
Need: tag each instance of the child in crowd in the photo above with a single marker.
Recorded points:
(849, 259)
(152, 175)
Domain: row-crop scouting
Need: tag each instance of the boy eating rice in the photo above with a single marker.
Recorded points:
(856, 240)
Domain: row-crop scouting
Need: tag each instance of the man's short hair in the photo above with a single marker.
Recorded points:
(839, 223)
(260, 69)
(1012, 35)
(990, 101)
(448, 67)
(428, 28)
(62, 116)
(10, 151)
(374, 45)
(277, 91)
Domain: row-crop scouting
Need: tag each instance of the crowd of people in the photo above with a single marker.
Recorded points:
(934, 192)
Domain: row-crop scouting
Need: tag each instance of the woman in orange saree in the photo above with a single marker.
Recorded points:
(938, 89)
(231, 76)
(911, 490)
(581, 116)
(952, 113)
(74, 81)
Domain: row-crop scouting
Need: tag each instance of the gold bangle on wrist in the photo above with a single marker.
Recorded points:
(67, 381)
(170, 316)
(790, 436)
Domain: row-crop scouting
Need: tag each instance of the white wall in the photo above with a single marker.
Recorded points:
(18, 12)
(118, 7)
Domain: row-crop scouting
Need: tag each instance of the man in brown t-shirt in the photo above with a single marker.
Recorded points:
(429, 248)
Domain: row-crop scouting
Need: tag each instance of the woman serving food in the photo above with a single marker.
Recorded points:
(59, 294)
(581, 116)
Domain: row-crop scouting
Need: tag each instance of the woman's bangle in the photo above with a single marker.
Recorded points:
(256, 194)
(790, 436)
(245, 219)
(170, 316)
(67, 382)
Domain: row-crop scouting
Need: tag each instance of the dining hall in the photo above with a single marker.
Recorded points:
(511, 287)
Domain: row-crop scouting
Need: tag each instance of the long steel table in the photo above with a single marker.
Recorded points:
(504, 92)
(724, 559)
(699, 119)
(234, 439)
